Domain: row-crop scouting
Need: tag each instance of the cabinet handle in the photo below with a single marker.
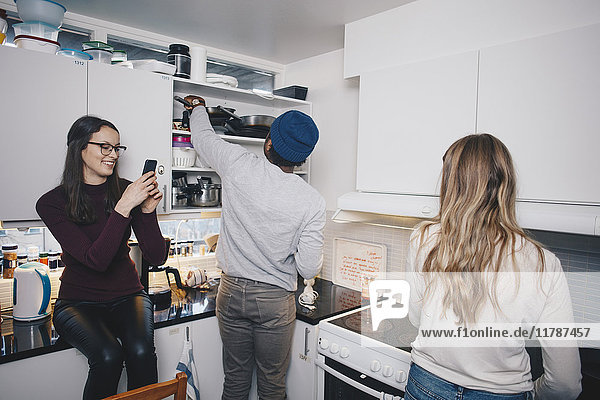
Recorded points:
(165, 198)
(306, 349)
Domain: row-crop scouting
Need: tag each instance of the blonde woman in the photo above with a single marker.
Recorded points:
(473, 265)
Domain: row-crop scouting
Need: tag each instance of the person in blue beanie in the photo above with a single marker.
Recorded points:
(271, 229)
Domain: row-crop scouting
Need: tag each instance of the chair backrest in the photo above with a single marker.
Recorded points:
(156, 391)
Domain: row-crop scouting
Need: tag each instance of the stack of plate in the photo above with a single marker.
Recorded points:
(222, 80)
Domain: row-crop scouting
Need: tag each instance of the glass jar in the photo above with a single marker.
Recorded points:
(53, 259)
(44, 257)
(33, 253)
(179, 55)
(9, 262)
(21, 259)
(190, 248)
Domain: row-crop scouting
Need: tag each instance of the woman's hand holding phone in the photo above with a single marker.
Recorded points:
(142, 191)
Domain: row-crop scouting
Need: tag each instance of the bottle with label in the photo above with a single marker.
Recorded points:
(44, 257)
(21, 259)
(9, 262)
(53, 259)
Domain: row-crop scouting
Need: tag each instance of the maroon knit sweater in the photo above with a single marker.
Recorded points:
(96, 256)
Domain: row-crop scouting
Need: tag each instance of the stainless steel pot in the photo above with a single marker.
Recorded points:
(203, 194)
(179, 198)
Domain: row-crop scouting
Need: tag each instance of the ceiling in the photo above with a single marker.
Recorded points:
(281, 31)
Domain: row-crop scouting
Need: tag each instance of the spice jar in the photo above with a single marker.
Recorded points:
(9, 262)
(53, 259)
(190, 246)
(21, 259)
(44, 257)
(179, 55)
(33, 253)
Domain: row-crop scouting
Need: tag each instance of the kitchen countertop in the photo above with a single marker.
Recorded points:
(22, 340)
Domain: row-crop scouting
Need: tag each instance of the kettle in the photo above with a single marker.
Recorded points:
(31, 292)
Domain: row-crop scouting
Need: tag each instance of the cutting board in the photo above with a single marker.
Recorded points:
(356, 264)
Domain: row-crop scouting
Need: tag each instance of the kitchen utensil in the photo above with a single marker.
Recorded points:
(218, 117)
(203, 194)
(36, 29)
(46, 11)
(179, 179)
(236, 123)
(179, 198)
(36, 44)
(31, 292)
(161, 292)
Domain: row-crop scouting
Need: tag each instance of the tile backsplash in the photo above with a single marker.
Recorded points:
(579, 255)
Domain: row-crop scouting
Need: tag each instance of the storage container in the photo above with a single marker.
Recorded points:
(295, 92)
(79, 55)
(179, 55)
(46, 11)
(183, 157)
(118, 56)
(37, 29)
(96, 44)
(9, 261)
(36, 44)
(101, 55)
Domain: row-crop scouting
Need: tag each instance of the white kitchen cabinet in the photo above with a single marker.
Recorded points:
(408, 116)
(139, 104)
(302, 373)
(207, 347)
(541, 97)
(244, 102)
(43, 95)
(55, 376)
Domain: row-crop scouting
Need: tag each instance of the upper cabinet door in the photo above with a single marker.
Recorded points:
(541, 97)
(140, 105)
(408, 116)
(43, 95)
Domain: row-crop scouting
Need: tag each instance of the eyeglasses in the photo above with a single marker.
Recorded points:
(106, 148)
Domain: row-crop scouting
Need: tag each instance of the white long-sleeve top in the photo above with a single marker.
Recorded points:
(271, 221)
(501, 367)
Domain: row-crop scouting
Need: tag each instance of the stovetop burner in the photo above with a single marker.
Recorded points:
(393, 332)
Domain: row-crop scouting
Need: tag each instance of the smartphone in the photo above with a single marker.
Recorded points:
(149, 165)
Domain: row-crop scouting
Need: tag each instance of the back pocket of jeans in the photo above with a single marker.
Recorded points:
(276, 311)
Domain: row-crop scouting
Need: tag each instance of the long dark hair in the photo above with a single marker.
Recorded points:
(79, 208)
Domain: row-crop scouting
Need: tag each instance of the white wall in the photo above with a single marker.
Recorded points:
(335, 111)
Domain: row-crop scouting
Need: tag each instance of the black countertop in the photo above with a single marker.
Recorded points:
(22, 340)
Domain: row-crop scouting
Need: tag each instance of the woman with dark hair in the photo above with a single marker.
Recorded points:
(102, 309)
(473, 267)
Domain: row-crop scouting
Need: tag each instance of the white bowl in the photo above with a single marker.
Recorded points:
(37, 44)
(37, 29)
(183, 157)
(46, 11)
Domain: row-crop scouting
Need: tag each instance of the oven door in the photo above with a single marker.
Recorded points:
(336, 381)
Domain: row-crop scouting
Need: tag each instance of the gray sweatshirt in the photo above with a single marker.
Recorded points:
(271, 221)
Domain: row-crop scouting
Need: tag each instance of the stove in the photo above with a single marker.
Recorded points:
(355, 357)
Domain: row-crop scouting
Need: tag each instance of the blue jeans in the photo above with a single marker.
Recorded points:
(256, 322)
(423, 385)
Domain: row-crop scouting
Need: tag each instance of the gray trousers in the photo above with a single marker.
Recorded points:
(256, 322)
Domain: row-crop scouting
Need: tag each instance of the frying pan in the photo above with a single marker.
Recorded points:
(237, 123)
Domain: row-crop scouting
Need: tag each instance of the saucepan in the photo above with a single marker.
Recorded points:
(237, 123)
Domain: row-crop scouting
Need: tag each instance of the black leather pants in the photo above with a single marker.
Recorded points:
(94, 327)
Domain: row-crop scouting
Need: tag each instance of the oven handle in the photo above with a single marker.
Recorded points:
(345, 379)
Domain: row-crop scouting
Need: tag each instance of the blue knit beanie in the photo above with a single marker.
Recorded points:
(294, 135)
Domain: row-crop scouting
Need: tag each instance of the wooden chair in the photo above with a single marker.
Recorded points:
(156, 391)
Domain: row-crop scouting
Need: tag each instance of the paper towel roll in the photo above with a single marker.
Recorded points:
(198, 72)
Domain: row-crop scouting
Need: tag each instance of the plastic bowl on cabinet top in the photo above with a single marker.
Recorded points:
(100, 55)
(37, 29)
(80, 55)
(36, 44)
(95, 45)
(46, 11)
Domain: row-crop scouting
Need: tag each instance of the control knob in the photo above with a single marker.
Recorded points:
(323, 343)
(400, 376)
(334, 348)
(375, 365)
(387, 371)
(344, 352)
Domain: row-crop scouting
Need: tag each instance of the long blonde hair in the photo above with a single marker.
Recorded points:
(478, 228)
